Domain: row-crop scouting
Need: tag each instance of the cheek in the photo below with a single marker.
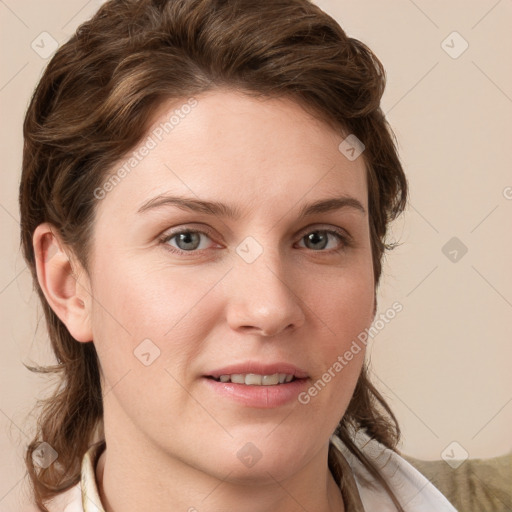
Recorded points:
(141, 331)
(139, 310)
(145, 299)
(343, 309)
(343, 304)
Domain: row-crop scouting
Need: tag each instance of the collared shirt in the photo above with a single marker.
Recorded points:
(359, 490)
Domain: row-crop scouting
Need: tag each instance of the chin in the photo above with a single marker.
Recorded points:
(263, 472)
(262, 460)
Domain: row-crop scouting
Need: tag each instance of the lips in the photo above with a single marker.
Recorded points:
(258, 385)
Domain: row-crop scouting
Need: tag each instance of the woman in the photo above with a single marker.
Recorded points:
(183, 160)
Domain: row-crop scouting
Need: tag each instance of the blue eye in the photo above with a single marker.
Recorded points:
(190, 241)
(187, 241)
(313, 238)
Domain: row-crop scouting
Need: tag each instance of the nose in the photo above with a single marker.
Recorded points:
(263, 298)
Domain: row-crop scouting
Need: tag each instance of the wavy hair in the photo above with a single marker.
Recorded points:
(93, 104)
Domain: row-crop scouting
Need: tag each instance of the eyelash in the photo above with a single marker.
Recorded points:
(345, 240)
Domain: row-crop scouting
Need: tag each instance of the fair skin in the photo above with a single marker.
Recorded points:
(172, 436)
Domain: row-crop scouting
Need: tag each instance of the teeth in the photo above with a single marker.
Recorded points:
(253, 379)
(270, 380)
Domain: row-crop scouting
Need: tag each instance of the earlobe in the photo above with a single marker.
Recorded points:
(64, 282)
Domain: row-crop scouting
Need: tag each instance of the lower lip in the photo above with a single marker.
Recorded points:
(263, 397)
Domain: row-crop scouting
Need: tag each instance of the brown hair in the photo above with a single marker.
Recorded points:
(93, 104)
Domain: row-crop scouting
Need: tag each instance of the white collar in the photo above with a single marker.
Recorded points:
(413, 490)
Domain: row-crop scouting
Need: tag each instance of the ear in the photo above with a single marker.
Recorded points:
(64, 282)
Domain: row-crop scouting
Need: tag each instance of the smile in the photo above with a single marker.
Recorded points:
(254, 379)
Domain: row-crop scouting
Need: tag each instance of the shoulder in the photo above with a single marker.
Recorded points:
(85, 491)
(68, 501)
(412, 489)
(474, 484)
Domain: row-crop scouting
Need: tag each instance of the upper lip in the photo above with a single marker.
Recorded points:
(260, 369)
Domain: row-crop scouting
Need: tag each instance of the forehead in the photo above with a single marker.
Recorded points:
(226, 145)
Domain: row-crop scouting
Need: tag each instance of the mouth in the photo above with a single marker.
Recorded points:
(255, 379)
(258, 385)
(253, 373)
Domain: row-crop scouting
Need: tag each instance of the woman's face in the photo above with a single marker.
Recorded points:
(262, 284)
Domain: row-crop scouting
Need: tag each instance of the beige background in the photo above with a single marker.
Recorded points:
(444, 361)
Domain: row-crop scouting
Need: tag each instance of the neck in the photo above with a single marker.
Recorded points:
(131, 480)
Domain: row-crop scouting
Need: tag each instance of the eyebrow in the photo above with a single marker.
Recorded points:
(225, 210)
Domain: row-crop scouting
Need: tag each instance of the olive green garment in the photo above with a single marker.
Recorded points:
(477, 485)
